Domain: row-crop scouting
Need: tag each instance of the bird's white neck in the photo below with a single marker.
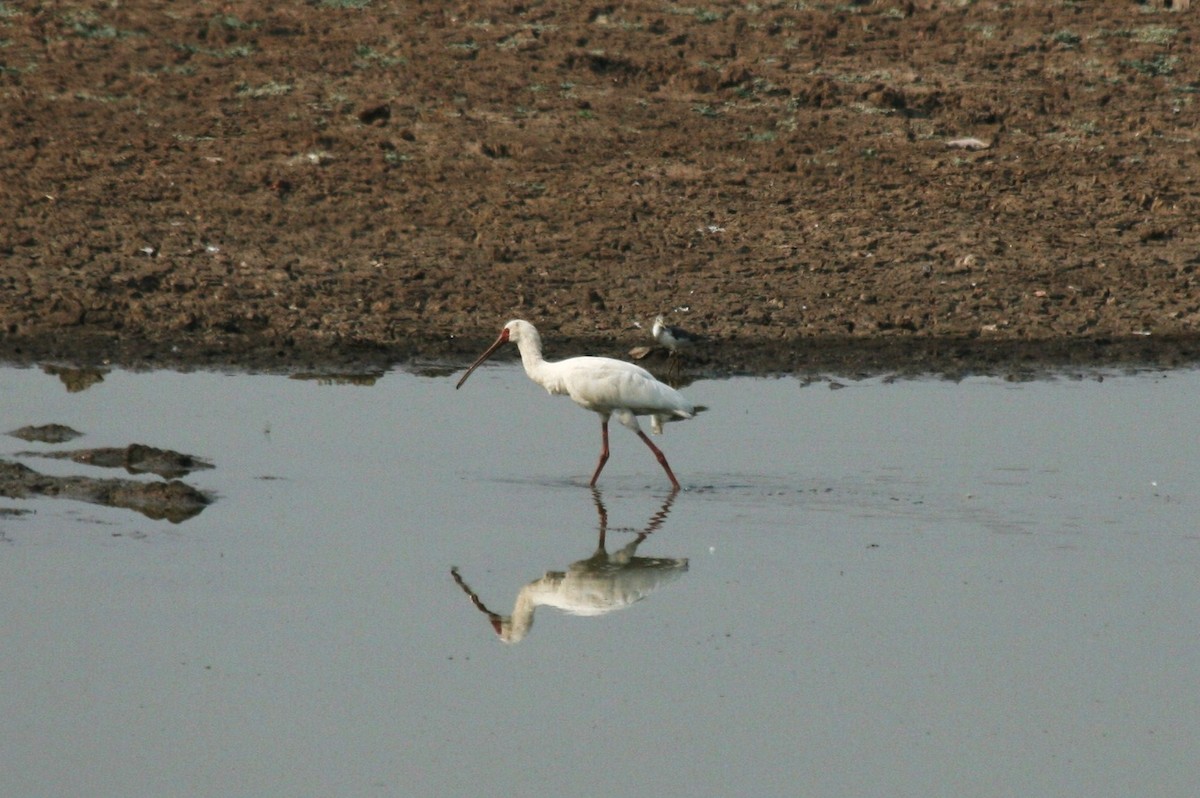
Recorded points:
(530, 347)
(514, 628)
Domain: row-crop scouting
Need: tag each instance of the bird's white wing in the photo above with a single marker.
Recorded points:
(604, 385)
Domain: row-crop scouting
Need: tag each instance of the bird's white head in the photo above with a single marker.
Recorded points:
(519, 330)
(516, 331)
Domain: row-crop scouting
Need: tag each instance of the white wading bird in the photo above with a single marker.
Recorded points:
(601, 384)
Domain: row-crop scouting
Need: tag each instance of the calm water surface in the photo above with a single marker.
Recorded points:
(922, 588)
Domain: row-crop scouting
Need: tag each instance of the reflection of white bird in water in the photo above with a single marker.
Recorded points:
(601, 384)
(673, 339)
(600, 584)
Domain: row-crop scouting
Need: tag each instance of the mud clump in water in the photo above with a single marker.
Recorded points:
(46, 433)
(173, 500)
(135, 458)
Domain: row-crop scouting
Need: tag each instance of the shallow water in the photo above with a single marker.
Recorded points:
(922, 588)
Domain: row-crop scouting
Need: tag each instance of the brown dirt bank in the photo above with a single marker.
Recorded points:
(363, 182)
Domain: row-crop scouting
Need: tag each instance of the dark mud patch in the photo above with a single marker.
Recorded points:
(173, 500)
(46, 433)
(13, 512)
(76, 379)
(135, 458)
(365, 379)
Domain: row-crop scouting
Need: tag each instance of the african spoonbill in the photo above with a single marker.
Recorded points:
(606, 386)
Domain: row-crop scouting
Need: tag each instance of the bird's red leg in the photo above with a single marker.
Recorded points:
(662, 458)
(603, 452)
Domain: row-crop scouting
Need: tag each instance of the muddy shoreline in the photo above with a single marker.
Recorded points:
(910, 187)
(846, 356)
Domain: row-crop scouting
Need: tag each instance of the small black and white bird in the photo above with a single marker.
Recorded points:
(673, 339)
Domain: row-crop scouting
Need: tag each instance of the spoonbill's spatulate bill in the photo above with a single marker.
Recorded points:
(603, 385)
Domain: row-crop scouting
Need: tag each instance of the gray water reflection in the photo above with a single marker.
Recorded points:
(604, 582)
(912, 589)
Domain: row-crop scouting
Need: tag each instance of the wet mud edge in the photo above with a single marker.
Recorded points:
(848, 356)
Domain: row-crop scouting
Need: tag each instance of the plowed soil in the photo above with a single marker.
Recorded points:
(276, 184)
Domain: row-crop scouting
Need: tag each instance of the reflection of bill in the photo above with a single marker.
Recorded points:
(598, 585)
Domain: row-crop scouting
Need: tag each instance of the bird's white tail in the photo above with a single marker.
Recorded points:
(657, 421)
